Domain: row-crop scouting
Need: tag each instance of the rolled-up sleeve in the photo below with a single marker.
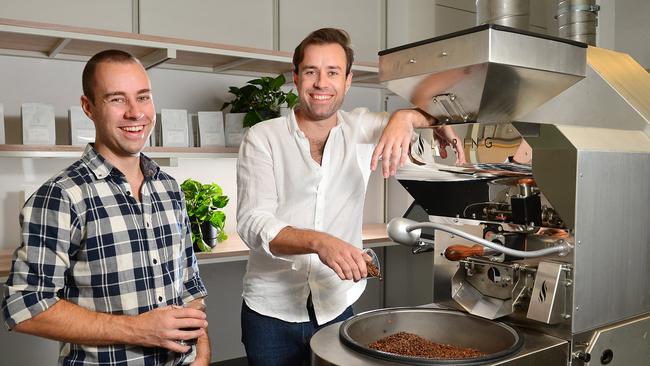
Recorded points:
(257, 196)
(50, 231)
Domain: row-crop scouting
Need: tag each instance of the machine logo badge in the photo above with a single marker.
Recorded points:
(542, 292)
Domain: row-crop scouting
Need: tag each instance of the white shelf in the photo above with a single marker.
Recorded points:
(51, 41)
(165, 156)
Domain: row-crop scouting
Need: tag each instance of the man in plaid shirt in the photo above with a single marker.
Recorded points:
(106, 264)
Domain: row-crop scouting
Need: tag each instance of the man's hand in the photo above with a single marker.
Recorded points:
(394, 142)
(348, 261)
(162, 327)
(446, 136)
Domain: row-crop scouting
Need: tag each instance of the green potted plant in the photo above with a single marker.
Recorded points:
(204, 203)
(260, 99)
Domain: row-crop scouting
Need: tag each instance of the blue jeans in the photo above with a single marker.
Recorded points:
(274, 342)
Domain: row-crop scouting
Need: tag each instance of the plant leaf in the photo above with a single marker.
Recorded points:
(222, 236)
(220, 218)
(251, 118)
(220, 201)
(292, 99)
(203, 246)
(278, 82)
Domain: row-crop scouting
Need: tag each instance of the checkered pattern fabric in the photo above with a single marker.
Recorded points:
(87, 240)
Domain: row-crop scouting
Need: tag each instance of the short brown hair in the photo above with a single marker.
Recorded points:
(88, 75)
(325, 36)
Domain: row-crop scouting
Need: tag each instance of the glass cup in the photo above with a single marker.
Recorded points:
(373, 266)
(191, 342)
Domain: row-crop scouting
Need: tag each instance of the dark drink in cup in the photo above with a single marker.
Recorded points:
(199, 306)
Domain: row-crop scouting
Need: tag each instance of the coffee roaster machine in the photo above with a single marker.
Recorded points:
(559, 254)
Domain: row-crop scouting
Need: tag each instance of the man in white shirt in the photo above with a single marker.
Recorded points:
(301, 186)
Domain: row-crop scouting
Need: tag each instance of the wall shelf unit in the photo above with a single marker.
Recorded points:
(77, 44)
(156, 152)
(51, 41)
(164, 156)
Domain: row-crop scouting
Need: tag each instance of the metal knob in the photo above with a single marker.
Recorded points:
(582, 356)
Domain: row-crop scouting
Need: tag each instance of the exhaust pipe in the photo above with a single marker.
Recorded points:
(577, 20)
(509, 13)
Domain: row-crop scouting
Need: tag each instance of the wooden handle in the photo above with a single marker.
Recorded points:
(458, 252)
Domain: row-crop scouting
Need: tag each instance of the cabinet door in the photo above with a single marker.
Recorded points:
(360, 18)
(244, 23)
(109, 15)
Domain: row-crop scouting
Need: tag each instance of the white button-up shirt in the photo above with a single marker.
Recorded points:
(279, 185)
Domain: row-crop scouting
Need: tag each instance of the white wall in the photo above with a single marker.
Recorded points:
(410, 21)
(453, 16)
(623, 26)
(632, 30)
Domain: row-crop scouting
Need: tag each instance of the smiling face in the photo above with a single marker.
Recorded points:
(122, 109)
(321, 82)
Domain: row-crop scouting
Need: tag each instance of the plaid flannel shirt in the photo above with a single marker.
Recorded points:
(87, 240)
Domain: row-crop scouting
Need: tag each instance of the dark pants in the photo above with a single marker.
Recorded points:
(274, 342)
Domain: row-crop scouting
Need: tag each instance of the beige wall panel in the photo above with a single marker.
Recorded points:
(360, 18)
(113, 15)
(397, 23)
(633, 30)
(243, 23)
(410, 21)
(451, 20)
(467, 5)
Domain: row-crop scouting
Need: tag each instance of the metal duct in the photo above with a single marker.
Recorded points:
(577, 20)
(511, 13)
